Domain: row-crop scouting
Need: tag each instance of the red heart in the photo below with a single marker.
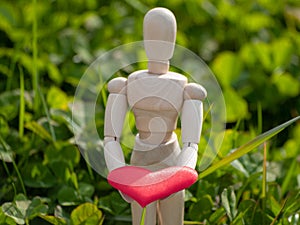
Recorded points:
(145, 186)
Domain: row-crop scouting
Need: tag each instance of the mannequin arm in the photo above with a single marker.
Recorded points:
(115, 112)
(191, 124)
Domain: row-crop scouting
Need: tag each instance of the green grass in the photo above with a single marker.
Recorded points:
(252, 48)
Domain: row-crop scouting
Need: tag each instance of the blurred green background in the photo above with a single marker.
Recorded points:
(253, 48)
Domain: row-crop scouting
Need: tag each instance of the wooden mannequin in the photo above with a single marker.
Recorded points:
(157, 97)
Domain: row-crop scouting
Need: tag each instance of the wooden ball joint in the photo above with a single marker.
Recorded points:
(157, 97)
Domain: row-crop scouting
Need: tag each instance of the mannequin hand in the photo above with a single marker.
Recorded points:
(126, 197)
(188, 156)
(113, 155)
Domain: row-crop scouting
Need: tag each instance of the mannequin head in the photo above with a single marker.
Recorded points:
(159, 39)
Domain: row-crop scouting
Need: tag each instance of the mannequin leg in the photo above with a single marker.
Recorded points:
(150, 218)
(171, 210)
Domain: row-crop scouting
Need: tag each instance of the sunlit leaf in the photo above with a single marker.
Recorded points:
(256, 21)
(263, 53)
(286, 84)
(236, 106)
(57, 99)
(282, 50)
(54, 73)
(54, 220)
(227, 67)
(274, 205)
(217, 216)
(39, 130)
(86, 214)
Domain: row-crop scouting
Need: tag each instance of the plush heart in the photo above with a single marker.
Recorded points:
(145, 186)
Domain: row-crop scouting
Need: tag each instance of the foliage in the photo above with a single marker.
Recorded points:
(251, 46)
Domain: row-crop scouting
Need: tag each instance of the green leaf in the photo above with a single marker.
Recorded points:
(57, 99)
(286, 84)
(17, 209)
(37, 175)
(274, 205)
(229, 203)
(256, 21)
(227, 67)
(87, 214)
(36, 208)
(54, 73)
(201, 209)
(22, 209)
(217, 215)
(54, 220)
(282, 50)
(11, 210)
(5, 220)
(114, 204)
(246, 209)
(68, 196)
(62, 151)
(61, 170)
(244, 149)
(8, 17)
(9, 103)
(86, 190)
(236, 106)
(39, 130)
(263, 53)
(6, 156)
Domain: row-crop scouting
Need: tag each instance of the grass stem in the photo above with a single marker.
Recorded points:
(259, 118)
(264, 180)
(35, 74)
(22, 104)
(46, 110)
(143, 216)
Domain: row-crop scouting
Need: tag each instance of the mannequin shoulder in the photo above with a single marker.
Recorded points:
(117, 85)
(194, 91)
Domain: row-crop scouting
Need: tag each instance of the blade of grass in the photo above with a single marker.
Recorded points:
(11, 74)
(47, 115)
(259, 118)
(244, 149)
(289, 176)
(264, 180)
(280, 212)
(103, 92)
(6, 148)
(22, 103)
(35, 75)
(38, 97)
